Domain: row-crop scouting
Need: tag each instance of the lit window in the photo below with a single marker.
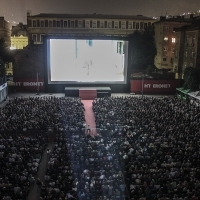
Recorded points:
(87, 24)
(116, 24)
(94, 24)
(173, 40)
(165, 38)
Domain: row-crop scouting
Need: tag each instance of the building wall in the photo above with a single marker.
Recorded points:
(165, 40)
(38, 26)
(19, 42)
(5, 32)
(187, 49)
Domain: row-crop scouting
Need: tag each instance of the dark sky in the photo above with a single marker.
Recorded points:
(15, 10)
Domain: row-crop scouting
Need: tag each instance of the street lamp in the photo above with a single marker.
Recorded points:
(142, 84)
(38, 87)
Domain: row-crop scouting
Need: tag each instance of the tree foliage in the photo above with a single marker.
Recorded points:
(5, 56)
(143, 50)
(191, 78)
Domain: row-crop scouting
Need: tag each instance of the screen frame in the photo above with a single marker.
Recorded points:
(47, 57)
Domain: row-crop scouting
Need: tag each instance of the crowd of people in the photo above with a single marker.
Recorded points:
(146, 148)
(83, 167)
(42, 113)
(20, 157)
(158, 145)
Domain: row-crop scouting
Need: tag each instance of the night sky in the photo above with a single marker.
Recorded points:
(15, 10)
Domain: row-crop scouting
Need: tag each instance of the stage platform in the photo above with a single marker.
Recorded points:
(87, 93)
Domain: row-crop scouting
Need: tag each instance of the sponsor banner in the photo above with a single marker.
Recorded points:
(29, 84)
(154, 86)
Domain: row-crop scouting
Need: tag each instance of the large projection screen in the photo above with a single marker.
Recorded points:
(87, 61)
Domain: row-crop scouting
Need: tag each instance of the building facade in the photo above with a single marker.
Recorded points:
(165, 40)
(187, 48)
(5, 32)
(84, 25)
(19, 36)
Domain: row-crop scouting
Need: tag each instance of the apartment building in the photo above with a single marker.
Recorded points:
(187, 47)
(5, 31)
(165, 40)
(84, 25)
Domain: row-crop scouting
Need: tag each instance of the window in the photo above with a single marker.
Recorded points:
(172, 50)
(41, 37)
(80, 24)
(116, 24)
(72, 24)
(186, 53)
(164, 59)
(166, 39)
(109, 24)
(34, 23)
(145, 25)
(42, 23)
(87, 24)
(137, 25)
(130, 25)
(65, 24)
(176, 53)
(57, 23)
(34, 37)
(165, 48)
(166, 27)
(101, 24)
(50, 23)
(173, 40)
(193, 41)
(94, 24)
(193, 53)
(123, 25)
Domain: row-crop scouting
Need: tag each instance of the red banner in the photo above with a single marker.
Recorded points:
(155, 86)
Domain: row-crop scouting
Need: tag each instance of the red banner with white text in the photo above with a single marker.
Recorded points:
(154, 86)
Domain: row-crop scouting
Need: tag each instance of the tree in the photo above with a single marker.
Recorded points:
(142, 50)
(5, 56)
(191, 78)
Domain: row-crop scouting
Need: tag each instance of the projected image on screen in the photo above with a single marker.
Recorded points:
(87, 60)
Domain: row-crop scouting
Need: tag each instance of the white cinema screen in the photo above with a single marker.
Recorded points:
(87, 61)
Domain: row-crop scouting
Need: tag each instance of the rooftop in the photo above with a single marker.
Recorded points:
(94, 15)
